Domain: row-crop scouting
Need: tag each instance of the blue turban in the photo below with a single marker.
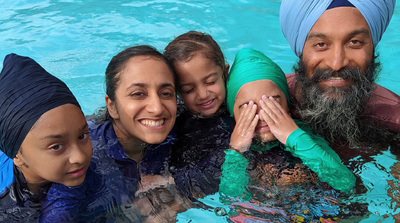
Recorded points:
(299, 16)
(27, 91)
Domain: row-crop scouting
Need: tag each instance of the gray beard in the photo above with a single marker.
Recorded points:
(335, 113)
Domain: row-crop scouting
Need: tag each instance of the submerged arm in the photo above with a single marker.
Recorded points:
(320, 157)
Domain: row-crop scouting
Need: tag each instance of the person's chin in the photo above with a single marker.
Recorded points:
(265, 138)
(77, 182)
(156, 139)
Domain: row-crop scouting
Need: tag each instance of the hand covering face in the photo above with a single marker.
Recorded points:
(299, 16)
(27, 91)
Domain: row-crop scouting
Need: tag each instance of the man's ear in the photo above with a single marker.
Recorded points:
(112, 110)
(18, 161)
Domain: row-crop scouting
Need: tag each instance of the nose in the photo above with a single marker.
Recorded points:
(337, 59)
(202, 92)
(78, 155)
(155, 105)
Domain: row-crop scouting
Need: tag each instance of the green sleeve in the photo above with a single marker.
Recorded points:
(321, 158)
(234, 179)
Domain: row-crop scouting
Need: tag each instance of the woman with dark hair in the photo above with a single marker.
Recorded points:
(131, 138)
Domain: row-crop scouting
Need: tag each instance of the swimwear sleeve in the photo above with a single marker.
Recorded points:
(321, 158)
(234, 179)
(6, 172)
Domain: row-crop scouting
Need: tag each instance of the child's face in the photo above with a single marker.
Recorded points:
(253, 91)
(58, 148)
(201, 84)
(145, 106)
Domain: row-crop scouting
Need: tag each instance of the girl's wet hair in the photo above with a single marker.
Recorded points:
(118, 64)
(185, 46)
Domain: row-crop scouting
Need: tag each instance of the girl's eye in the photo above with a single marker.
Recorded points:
(56, 147)
(210, 83)
(188, 91)
(84, 136)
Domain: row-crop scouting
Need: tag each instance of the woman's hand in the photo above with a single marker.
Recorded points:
(242, 135)
(278, 120)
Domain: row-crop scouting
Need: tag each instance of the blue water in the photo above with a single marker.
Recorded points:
(75, 40)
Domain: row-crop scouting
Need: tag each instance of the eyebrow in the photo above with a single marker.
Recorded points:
(59, 136)
(205, 78)
(323, 36)
(360, 32)
(163, 85)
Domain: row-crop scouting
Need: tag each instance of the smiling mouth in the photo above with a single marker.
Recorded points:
(208, 103)
(75, 171)
(78, 173)
(335, 79)
(153, 123)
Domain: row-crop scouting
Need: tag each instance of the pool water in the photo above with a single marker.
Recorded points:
(75, 40)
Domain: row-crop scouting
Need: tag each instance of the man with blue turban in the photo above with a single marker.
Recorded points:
(333, 89)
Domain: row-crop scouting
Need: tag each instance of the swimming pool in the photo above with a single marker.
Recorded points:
(75, 40)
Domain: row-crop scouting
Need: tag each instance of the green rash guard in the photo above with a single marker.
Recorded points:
(313, 150)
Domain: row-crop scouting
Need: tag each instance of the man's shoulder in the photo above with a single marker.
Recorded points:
(384, 106)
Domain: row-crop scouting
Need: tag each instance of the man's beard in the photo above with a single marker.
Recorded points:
(335, 112)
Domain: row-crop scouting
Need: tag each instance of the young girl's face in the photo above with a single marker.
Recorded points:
(201, 84)
(57, 148)
(253, 91)
(145, 105)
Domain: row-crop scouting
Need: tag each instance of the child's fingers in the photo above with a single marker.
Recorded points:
(273, 109)
(268, 112)
(246, 118)
(272, 104)
(253, 124)
(243, 132)
(246, 109)
(267, 118)
(276, 103)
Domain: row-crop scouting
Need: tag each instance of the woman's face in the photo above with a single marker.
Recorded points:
(201, 84)
(57, 148)
(145, 105)
(253, 91)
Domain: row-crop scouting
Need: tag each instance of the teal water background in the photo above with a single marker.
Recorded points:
(75, 39)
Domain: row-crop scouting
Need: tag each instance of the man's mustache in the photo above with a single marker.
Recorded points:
(345, 73)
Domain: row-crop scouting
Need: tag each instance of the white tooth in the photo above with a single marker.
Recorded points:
(152, 123)
(336, 78)
(207, 103)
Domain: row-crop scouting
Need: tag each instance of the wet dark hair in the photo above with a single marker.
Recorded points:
(185, 46)
(118, 64)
